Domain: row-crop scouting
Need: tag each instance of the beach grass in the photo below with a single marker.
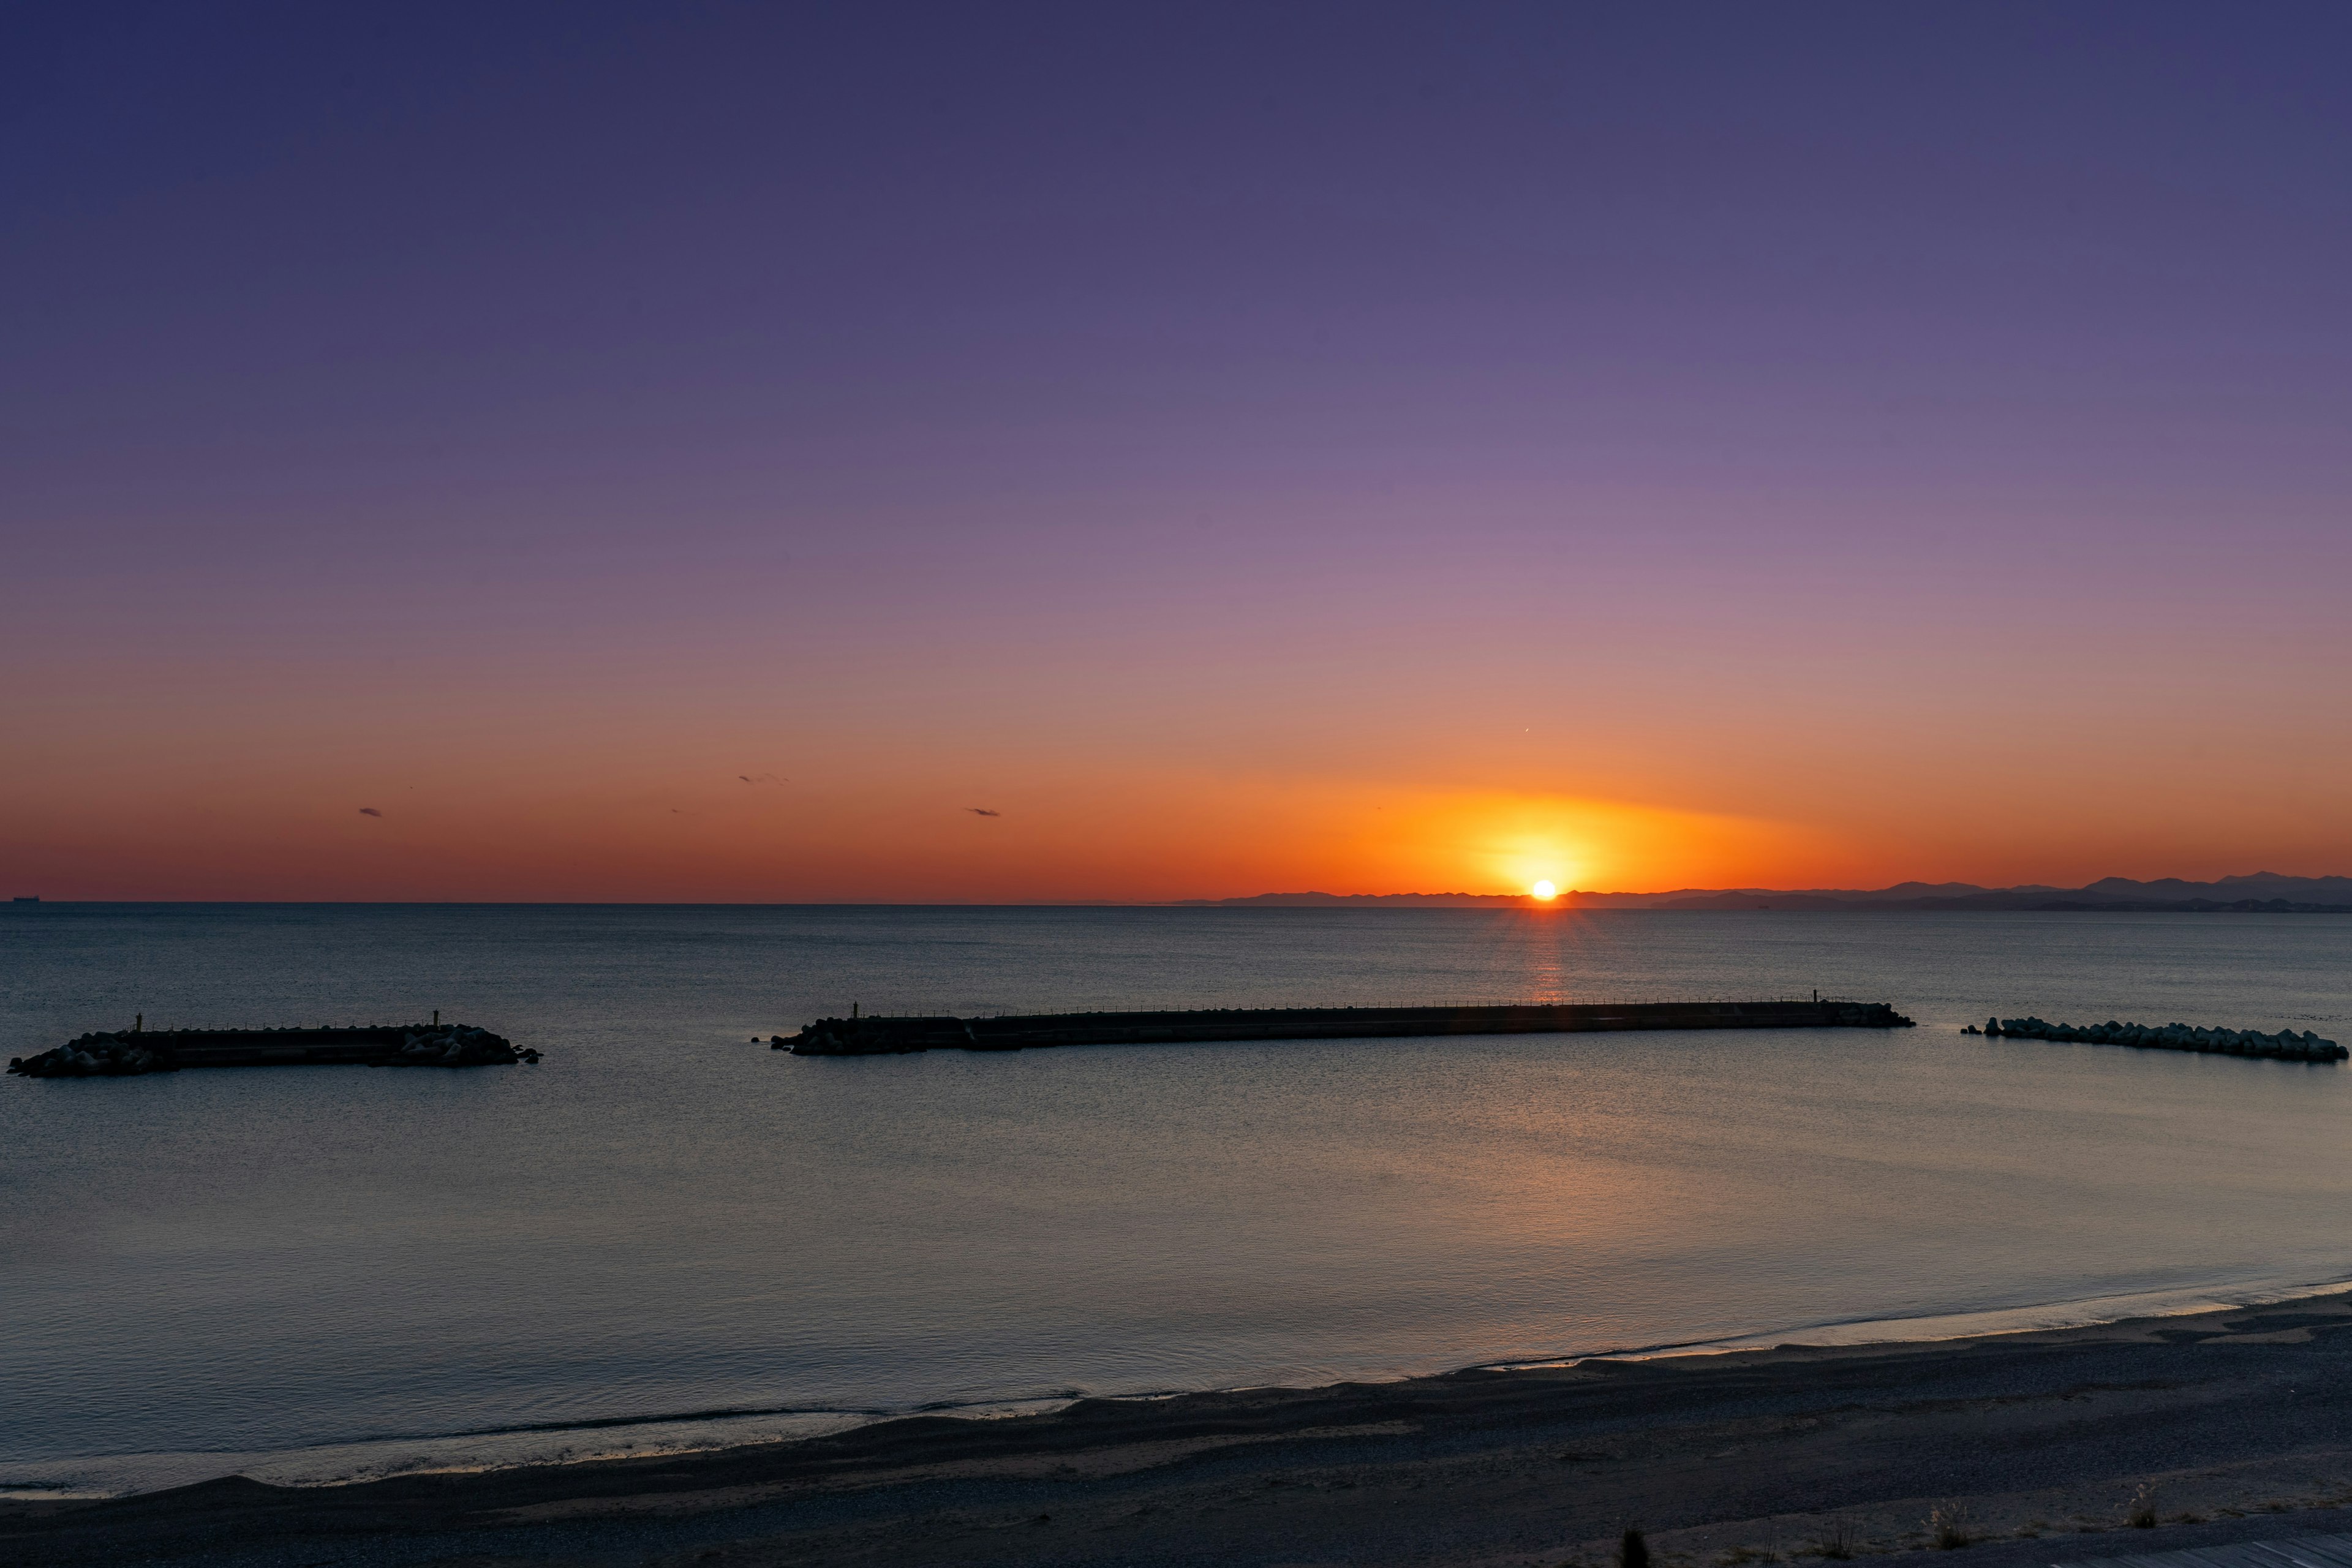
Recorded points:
(1839, 1543)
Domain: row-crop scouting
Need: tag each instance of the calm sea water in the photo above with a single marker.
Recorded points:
(668, 1236)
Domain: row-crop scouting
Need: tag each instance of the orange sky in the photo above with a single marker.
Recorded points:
(530, 778)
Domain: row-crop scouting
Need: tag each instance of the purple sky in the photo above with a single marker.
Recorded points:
(1223, 404)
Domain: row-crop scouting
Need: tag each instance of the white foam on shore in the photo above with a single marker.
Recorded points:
(2044, 1317)
(465, 1453)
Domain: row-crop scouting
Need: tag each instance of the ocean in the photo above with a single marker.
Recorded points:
(668, 1236)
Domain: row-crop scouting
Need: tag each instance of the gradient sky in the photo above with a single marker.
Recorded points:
(701, 451)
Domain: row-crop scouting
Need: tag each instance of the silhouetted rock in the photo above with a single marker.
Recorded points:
(2286, 1044)
(94, 1055)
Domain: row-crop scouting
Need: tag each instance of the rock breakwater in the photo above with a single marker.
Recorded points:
(2287, 1045)
(94, 1055)
(130, 1053)
(871, 1036)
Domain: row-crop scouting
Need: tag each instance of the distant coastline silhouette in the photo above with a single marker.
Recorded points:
(2261, 892)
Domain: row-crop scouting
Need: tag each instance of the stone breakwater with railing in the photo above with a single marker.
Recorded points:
(893, 1035)
(2287, 1045)
(130, 1053)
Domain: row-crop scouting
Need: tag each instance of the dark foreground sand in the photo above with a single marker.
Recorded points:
(2231, 1417)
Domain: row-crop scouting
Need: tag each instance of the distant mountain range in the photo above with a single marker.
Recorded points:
(2261, 892)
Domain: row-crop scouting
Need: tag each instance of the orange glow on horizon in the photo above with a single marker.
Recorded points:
(525, 811)
(662, 827)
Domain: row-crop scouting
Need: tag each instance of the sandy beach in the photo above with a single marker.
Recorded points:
(2228, 1424)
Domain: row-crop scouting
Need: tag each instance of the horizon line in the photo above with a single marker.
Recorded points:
(1565, 898)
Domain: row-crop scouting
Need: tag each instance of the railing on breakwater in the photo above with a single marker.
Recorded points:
(865, 1035)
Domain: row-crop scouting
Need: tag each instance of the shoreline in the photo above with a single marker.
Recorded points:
(2238, 1408)
(686, 1434)
(1989, 1323)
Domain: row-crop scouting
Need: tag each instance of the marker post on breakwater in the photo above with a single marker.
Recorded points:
(872, 1035)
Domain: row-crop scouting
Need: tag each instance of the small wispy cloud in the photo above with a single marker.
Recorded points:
(982, 811)
(370, 810)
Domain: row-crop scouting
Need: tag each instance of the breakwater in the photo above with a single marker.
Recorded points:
(130, 1053)
(891, 1036)
(2287, 1045)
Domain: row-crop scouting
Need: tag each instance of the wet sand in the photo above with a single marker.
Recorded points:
(2041, 1441)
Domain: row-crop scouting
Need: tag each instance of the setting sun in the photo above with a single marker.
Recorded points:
(1544, 890)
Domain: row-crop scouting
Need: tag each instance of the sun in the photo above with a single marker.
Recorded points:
(1544, 890)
